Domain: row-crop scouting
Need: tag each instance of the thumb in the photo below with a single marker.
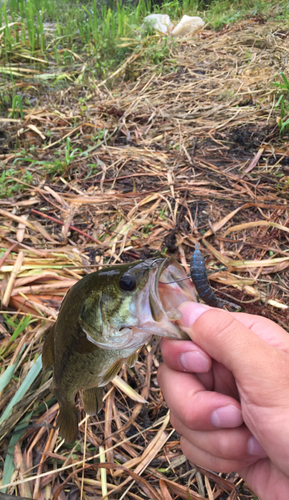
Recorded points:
(230, 342)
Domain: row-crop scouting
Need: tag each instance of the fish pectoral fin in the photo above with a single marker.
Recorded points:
(92, 400)
(84, 346)
(130, 361)
(67, 422)
(112, 371)
(48, 349)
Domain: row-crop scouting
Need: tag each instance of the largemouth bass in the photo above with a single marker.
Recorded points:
(103, 320)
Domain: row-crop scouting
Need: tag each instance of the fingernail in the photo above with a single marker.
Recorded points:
(194, 361)
(227, 416)
(191, 311)
(254, 448)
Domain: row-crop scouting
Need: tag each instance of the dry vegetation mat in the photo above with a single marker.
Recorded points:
(148, 163)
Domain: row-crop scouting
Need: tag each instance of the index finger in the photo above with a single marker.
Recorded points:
(264, 328)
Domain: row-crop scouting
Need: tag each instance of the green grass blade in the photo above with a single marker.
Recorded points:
(7, 376)
(23, 323)
(31, 376)
(285, 81)
(9, 466)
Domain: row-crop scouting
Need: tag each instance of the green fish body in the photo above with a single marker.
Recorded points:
(103, 320)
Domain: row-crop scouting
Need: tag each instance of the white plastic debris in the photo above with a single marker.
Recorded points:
(160, 22)
(187, 25)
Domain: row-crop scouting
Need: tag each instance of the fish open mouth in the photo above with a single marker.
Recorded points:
(172, 287)
(169, 287)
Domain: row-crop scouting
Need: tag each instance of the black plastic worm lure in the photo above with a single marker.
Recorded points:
(199, 277)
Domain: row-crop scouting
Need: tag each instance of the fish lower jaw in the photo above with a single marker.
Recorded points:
(164, 328)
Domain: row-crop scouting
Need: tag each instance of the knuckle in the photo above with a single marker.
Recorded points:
(190, 414)
(188, 420)
(217, 323)
(225, 448)
(160, 374)
(175, 422)
(165, 346)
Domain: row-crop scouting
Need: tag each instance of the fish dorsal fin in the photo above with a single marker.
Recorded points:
(92, 400)
(130, 361)
(112, 371)
(48, 349)
(84, 346)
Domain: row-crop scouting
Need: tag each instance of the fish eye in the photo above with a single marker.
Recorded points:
(127, 283)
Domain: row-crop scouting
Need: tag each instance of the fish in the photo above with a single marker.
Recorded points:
(103, 321)
(200, 279)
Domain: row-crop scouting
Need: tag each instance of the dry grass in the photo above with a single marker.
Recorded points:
(192, 155)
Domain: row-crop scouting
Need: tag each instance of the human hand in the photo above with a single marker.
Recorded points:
(228, 392)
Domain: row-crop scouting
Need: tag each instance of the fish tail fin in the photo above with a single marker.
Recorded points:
(67, 421)
(92, 400)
